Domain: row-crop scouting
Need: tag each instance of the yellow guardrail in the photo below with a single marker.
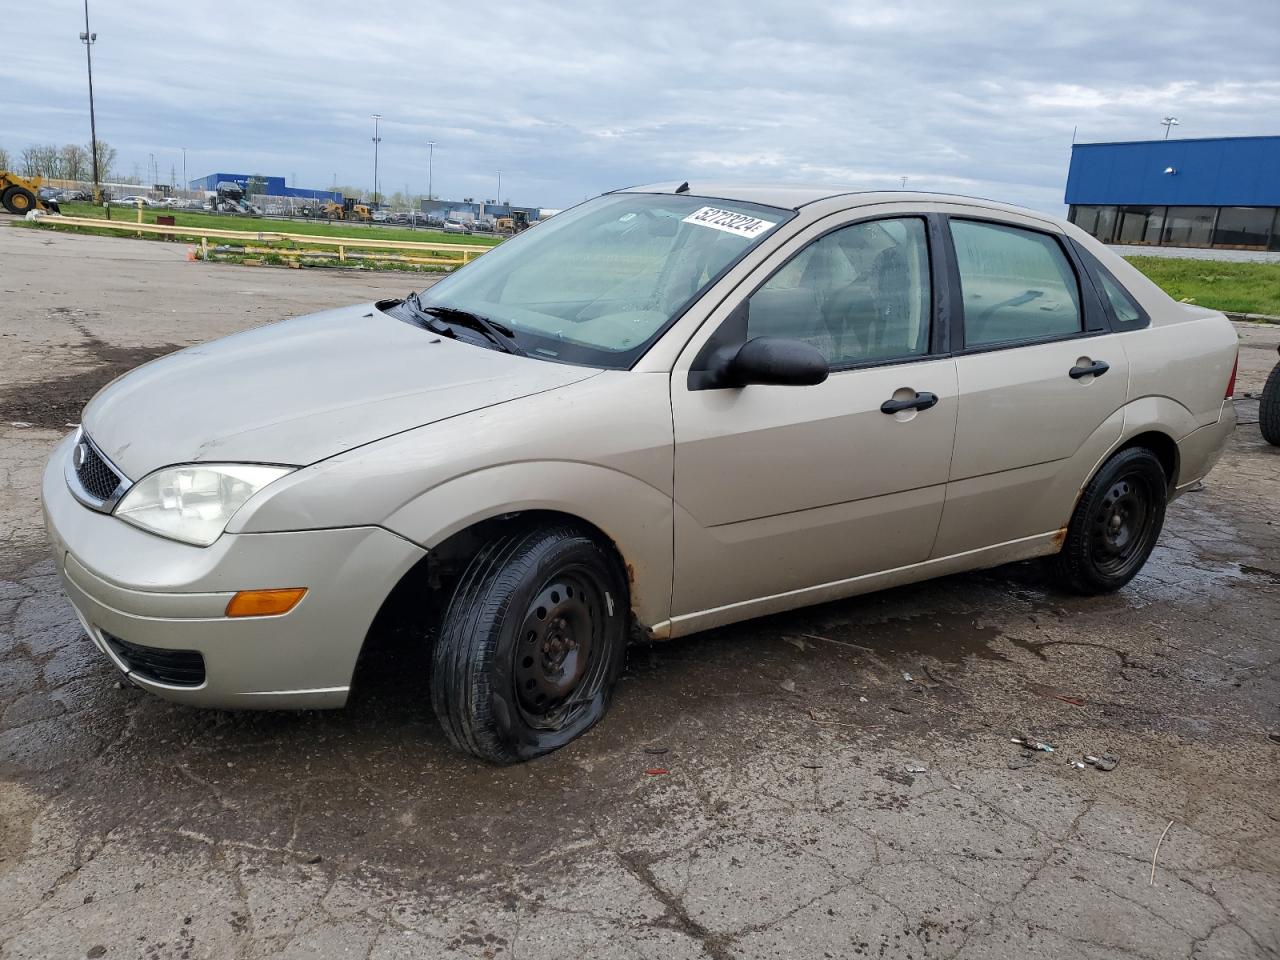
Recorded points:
(343, 244)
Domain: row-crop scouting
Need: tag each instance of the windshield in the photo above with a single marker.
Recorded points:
(597, 284)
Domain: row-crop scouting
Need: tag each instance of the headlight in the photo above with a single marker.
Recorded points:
(194, 503)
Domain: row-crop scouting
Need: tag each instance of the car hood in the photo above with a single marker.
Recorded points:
(302, 390)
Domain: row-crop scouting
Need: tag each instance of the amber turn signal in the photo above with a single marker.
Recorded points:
(264, 603)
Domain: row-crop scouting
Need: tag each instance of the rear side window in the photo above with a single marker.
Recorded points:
(1127, 314)
(1017, 285)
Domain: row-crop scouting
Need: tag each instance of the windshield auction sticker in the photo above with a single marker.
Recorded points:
(739, 224)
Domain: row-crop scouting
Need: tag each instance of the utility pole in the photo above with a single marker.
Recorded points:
(498, 198)
(88, 39)
(1169, 123)
(431, 156)
(185, 182)
(376, 140)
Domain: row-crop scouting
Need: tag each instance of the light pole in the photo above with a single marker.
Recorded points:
(1169, 122)
(151, 169)
(88, 39)
(376, 140)
(185, 182)
(498, 198)
(431, 156)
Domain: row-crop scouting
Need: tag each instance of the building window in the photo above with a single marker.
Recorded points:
(1140, 225)
(1189, 226)
(1243, 227)
(1099, 222)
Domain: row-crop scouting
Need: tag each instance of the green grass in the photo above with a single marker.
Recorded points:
(1217, 284)
(216, 221)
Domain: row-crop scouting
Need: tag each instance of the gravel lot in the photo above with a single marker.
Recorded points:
(814, 802)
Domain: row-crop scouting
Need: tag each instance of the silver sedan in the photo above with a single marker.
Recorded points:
(669, 408)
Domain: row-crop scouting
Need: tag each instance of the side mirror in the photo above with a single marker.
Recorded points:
(780, 361)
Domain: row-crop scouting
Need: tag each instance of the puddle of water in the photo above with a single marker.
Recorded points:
(58, 400)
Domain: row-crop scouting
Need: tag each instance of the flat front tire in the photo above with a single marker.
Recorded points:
(1115, 524)
(531, 645)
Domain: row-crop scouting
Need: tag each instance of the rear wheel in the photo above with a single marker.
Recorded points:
(18, 200)
(1115, 525)
(531, 645)
(1269, 408)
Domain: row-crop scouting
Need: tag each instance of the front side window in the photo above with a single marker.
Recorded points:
(1016, 284)
(858, 294)
(598, 283)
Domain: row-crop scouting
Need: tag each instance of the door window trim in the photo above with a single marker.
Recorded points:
(732, 331)
(1096, 271)
(1094, 319)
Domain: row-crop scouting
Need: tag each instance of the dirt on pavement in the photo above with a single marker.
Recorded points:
(835, 782)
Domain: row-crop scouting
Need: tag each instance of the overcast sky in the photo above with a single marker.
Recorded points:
(571, 99)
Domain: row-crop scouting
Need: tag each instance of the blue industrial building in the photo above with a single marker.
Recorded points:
(272, 186)
(1218, 192)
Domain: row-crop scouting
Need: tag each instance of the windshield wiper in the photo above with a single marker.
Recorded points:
(432, 323)
(499, 333)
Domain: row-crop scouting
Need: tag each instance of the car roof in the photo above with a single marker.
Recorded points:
(795, 196)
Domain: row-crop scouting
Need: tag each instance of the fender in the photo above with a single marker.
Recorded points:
(634, 515)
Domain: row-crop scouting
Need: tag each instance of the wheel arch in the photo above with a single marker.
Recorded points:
(631, 517)
(1162, 445)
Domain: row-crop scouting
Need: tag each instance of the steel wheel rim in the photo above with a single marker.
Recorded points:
(1122, 525)
(559, 656)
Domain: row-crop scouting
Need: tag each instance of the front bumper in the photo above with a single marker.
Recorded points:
(156, 593)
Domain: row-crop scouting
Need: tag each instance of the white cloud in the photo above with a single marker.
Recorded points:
(571, 99)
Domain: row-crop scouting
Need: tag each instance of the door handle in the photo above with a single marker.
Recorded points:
(1097, 369)
(921, 401)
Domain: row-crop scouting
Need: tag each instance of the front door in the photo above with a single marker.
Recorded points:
(780, 489)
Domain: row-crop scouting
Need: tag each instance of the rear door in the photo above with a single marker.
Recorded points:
(1042, 383)
(781, 488)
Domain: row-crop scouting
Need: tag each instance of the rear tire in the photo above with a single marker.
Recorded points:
(18, 200)
(1269, 408)
(531, 645)
(1115, 524)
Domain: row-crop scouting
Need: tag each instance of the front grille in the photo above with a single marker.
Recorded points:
(98, 479)
(179, 668)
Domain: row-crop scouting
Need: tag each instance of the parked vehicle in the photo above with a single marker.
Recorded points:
(517, 222)
(665, 410)
(1269, 408)
(137, 199)
(347, 210)
(453, 225)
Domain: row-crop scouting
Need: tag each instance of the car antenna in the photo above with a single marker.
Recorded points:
(683, 188)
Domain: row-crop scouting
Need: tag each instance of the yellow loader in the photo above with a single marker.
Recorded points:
(20, 195)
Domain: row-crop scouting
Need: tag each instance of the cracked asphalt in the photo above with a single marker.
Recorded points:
(773, 789)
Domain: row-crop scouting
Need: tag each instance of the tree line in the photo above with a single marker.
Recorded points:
(68, 162)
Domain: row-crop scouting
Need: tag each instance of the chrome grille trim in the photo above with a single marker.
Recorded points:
(77, 487)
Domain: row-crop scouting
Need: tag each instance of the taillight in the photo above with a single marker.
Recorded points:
(1231, 384)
